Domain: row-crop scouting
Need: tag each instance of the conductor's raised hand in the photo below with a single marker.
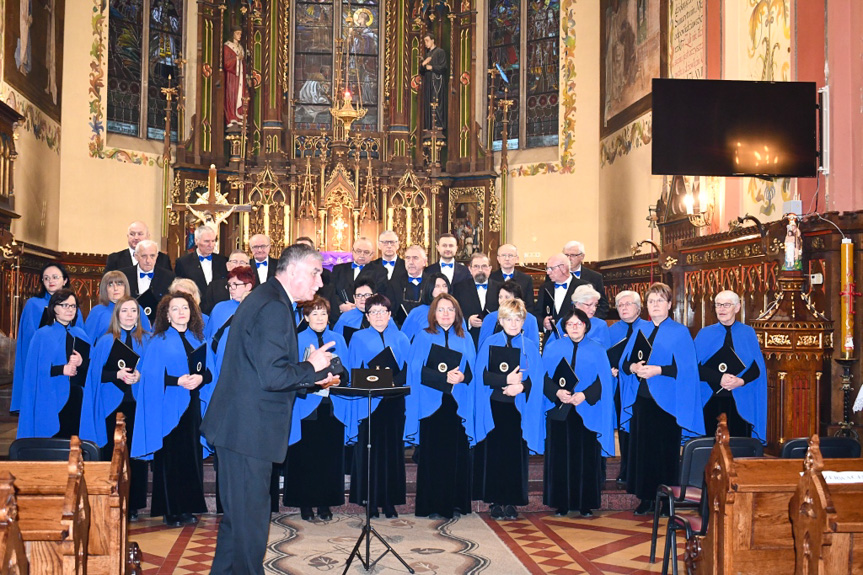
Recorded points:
(320, 358)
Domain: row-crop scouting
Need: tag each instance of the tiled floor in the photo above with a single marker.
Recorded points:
(610, 542)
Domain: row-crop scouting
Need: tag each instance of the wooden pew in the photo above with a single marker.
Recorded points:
(827, 521)
(13, 556)
(749, 529)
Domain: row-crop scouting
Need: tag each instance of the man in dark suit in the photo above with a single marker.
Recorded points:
(248, 419)
(265, 266)
(344, 275)
(405, 287)
(574, 251)
(507, 258)
(555, 294)
(388, 242)
(477, 296)
(125, 258)
(217, 291)
(202, 266)
(447, 246)
(147, 276)
(325, 277)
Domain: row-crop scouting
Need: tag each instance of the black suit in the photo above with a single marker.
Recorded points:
(399, 267)
(595, 279)
(401, 290)
(460, 272)
(159, 285)
(524, 281)
(342, 280)
(216, 292)
(545, 300)
(123, 259)
(248, 420)
(189, 266)
(465, 293)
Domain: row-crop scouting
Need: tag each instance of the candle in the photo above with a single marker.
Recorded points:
(847, 297)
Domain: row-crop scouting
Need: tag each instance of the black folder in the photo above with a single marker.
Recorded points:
(503, 360)
(198, 360)
(83, 348)
(46, 317)
(564, 377)
(725, 361)
(615, 352)
(371, 378)
(148, 303)
(386, 359)
(641, 349)
(443, 359)
(122, 357)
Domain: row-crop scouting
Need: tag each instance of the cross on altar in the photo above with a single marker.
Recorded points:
(213, 209)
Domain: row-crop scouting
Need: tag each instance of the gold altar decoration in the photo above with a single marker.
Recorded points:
(338, 220)
(269, 211)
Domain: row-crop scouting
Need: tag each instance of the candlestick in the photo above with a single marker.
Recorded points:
(847, 277)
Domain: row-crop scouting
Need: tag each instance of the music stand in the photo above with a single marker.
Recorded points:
(368, 530)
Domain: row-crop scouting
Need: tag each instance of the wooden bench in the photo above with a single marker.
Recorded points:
(827, 521)
(749, 528)
(13, 556)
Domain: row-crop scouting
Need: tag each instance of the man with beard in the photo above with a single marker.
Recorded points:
(477, 296)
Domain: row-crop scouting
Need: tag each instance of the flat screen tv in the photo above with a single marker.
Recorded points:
(734, 128)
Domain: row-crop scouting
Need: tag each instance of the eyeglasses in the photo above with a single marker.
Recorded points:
(68, 305)
(378, 312)
(657, 301)
(362, 295)
(388, 242)
(115, 283)
(446, 309)
(548, 270)
(237, 285)
(239, 262)
(725, 305)
(574, 255)
(507, 255)
(263, 247)
(49, 278)
(574, 324)
(481, 267)
(363, 252)
(625, 304)
(593, 305)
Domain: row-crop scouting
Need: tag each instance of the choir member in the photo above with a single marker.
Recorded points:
(55, 373)
(112, 288)
(507, 415)
(555, 294)
(145, 275)
(440, 412)
(447, 246)
(741, 394)
(433, 285)
(579, 417)
(36, 314)
(574, 252)
(507, 258)
(202, 265)
(345, 276)
(170, 405)
(664, 405)
(135, 234)
(190, 288)
(217, 291)
(320, 426)
(241, 280)
(477, 297)
(509, 290)
(405, 287)
(265, 266)
(388, 453)
(388, 242)
(112, 389)
(356, 319)
(325, 276)
(585, 298)
(628, 306)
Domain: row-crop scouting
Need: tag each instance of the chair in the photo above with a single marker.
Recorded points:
(687, 492)
(831, 448)
(50, 449)
(690, 524)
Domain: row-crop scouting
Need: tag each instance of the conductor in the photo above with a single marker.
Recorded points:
(249, 417)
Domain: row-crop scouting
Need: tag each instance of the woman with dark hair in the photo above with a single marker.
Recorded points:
(52, 277)
(112, 389)
(388, 452)
(579, 417)
(440, 412)
(662, 405)
(241, 280)
(508, 290)
(417, 319)
(171, 403)
(320, 427)
(507, 414)
(114, 285)
(586, 298)
(54, 373)
(355, 319)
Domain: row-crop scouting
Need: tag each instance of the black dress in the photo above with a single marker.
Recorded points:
(70, 415)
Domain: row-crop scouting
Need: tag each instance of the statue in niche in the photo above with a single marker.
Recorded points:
(233, 56)
(435, 82)
(793, 245)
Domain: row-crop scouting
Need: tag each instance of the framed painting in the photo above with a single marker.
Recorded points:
(33, 51)
(466, 209)
(633, 51)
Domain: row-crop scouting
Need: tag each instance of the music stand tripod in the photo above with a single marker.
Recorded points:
(368, 530)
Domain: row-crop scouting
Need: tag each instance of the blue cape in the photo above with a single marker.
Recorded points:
(751, 399)
(532, 416)
(416, 321)
(680, 396)
(43, 396)
(101, 399)
(222, 312)
(307, 403)
(531, 329)
(354, 318)
(598, 332)
(31, 315)
(424, 400)
(160, 408)
(99, 320)
(590, 362)
(616, 332)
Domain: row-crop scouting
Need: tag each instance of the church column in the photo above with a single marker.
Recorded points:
(275, 73)
(397, 79)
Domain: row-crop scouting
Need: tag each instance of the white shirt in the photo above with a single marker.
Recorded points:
(560, 294)
(262, 271)
(207, 266)
(134, 259)
(143, 282)
(390, 269)
(448, 271)
(481, 293)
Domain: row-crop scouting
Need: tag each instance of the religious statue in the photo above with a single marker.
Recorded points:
(233, 56)
(435, 85)
(793, 245)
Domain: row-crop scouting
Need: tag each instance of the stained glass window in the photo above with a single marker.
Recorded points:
(124, 66)
(166, 45)
(504, 50)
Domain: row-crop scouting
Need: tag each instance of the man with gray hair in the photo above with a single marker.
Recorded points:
(136, 232)
(344, 275)
(405, 286)
(507, 258)
(202, 266)
(248, 419)
(574, 252)
(388, 244)
(147, 281)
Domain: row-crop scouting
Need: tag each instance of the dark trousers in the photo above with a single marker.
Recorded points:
(245, 495)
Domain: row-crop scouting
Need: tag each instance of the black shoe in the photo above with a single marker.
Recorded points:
(435, 516)
(188, 519)
(510, 512)
(133, 515)
(307, 513)
(645, 507)
(497, 512)
(586, 512)
(390, 511)
(562, 512)
(173, 520)
(325, 513)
